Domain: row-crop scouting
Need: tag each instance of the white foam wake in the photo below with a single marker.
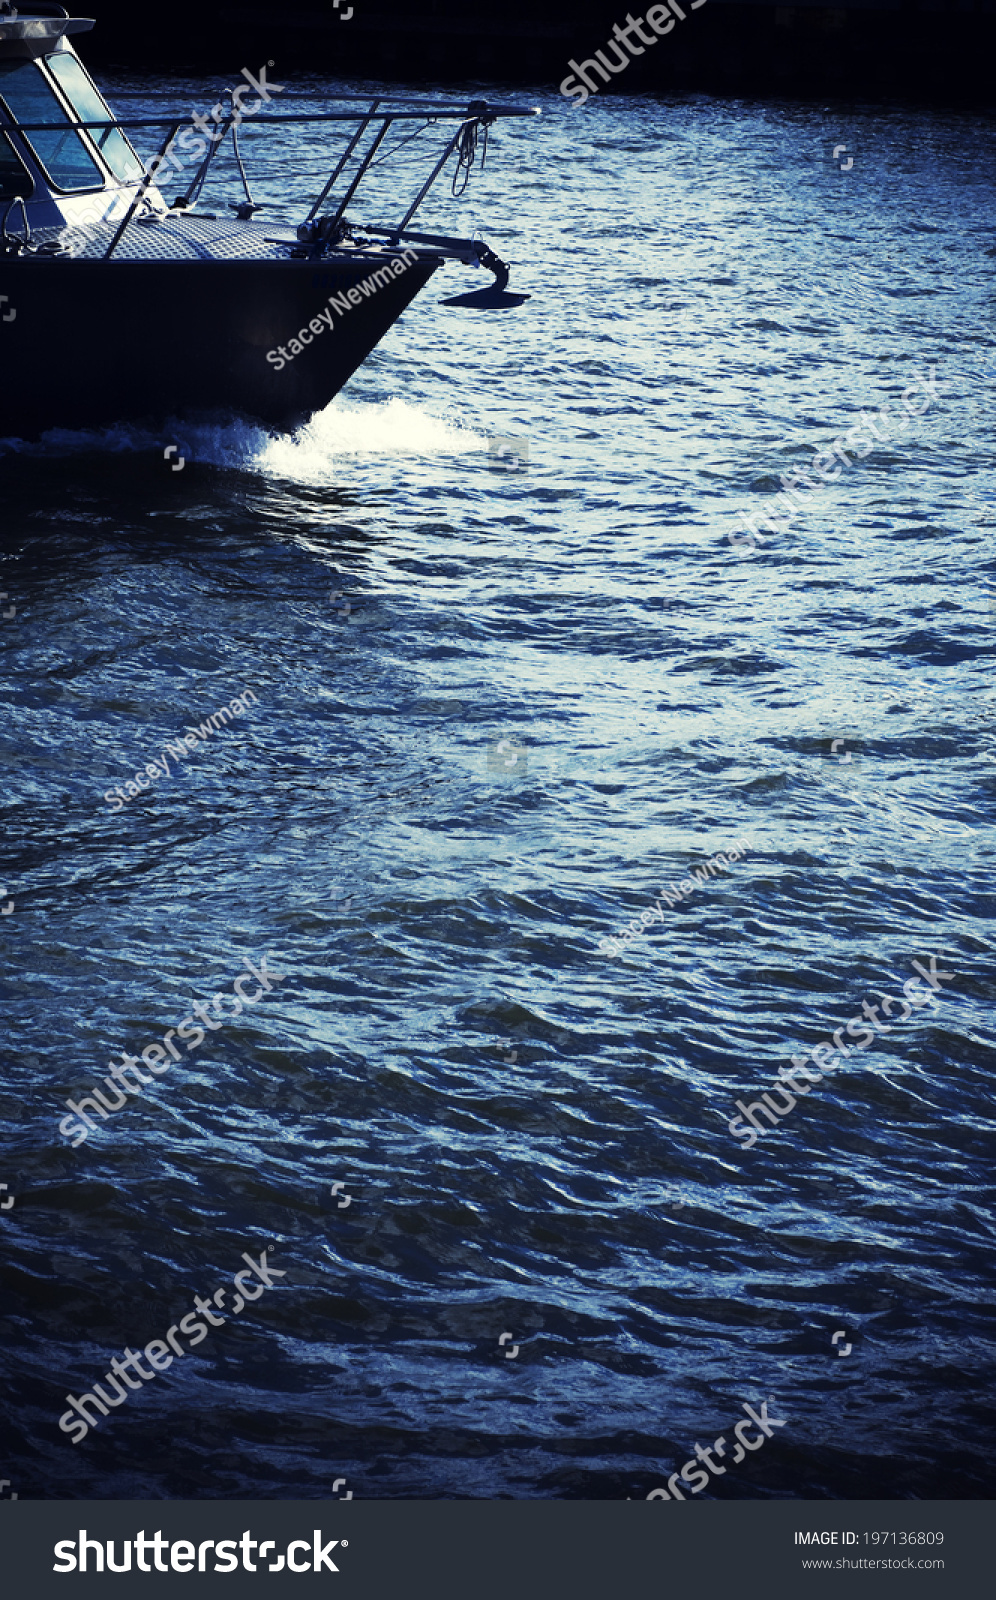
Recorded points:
(391, 427)
(345, 429)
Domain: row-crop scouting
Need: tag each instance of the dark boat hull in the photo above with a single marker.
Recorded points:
(93, 343)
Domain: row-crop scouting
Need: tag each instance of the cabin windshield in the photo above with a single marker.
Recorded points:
(90, 106)
(29, 97)
(14, 176)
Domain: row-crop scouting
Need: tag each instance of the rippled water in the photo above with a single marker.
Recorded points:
(498, 712)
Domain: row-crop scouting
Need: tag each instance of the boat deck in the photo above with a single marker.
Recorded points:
(186, 236)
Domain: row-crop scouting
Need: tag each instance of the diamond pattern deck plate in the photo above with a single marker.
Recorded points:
(193, 238)
(189, 238)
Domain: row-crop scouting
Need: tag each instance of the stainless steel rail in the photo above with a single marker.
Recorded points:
(323, 233)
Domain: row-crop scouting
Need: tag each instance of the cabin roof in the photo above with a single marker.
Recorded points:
(39, 24)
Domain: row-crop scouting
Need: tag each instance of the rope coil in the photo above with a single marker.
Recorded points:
(467, 154)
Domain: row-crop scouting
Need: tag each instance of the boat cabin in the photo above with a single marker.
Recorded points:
(63, 176)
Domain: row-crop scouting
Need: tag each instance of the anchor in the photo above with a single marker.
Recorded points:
(472, 252)
(496, 297)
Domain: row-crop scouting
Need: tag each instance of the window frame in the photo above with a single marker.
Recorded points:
(91, 135)
(14, 126)
(5, 136)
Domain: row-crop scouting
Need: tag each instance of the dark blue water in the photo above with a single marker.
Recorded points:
(497, 712)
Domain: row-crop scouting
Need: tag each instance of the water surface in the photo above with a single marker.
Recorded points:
(498, 712)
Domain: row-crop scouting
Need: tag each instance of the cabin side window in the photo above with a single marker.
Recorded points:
(15, 179)
(89, 105)
(29, 97)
